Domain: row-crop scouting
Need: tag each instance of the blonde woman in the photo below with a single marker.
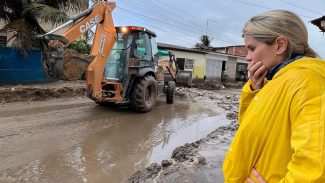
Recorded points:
(281, 135)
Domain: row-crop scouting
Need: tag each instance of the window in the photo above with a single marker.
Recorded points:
(185, 63)
(143, 49)
(154, 46)
(189, 63)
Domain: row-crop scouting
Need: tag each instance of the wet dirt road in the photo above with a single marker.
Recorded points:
(76, 140)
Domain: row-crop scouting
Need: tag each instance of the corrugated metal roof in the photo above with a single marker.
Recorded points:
(318, 21)
(179, 48)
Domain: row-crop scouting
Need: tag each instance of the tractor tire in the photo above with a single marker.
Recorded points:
(170, 92)
(144, 94)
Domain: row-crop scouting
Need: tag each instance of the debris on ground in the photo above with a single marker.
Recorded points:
(41, 92)
(148, 173)
(200, 161)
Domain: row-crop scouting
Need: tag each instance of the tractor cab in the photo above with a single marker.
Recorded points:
(131, 42)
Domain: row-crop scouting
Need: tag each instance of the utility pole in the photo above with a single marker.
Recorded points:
(206, 33)
(206, 28)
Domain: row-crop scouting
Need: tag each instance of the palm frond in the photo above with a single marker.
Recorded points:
(206, 40)
(10, 10)
(204, 44)
(66, 5)
(23, 17)
(21, 34)
(47, 13)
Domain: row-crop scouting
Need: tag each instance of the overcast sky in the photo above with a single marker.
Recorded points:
(182, 22)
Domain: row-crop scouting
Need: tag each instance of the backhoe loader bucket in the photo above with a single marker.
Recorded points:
(184, 78)
(74, 64)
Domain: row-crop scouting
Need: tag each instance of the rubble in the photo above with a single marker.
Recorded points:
(185, 152)
(149, 173)
(166, 163)
(197, 161)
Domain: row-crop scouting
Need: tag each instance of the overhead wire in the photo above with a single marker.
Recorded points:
(212, 6)
(171, 14)
(217, 37)
(252, 4)
(169, 19)
(171, 34)
(202, 32)
(182, 12)
(177, 23)
(266, 8)
(292, 4)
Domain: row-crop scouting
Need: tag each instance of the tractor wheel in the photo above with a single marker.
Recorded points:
(170, 92)
(144, 94)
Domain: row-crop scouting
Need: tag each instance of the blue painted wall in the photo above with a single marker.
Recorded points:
(16, 69)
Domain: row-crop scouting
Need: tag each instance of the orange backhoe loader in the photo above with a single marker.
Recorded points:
(123, 66)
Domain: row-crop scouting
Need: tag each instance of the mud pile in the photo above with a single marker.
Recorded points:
(200, 161)
(41, 92)
(216, 85)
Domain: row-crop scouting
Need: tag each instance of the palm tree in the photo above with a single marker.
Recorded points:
(204, 44)
(23, 19)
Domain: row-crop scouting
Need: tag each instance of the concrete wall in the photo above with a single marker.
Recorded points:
(231, 66)
(242, 60)
(237, 50)
(199, 62)
(16, 69)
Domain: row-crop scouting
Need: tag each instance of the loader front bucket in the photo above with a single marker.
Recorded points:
(184, 78)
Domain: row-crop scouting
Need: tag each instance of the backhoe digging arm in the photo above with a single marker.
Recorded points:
(54, 43)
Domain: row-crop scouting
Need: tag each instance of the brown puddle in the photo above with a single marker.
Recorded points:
(131, 142)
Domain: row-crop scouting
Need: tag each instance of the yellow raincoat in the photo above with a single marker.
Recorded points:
(282, 127)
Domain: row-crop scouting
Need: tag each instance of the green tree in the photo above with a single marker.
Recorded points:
(23, 19)
(204, 44)
(80, 46)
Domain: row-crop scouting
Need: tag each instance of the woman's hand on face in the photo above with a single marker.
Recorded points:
(257, 72)
(258, 177)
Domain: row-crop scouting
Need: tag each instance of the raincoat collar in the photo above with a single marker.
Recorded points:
(279, 66)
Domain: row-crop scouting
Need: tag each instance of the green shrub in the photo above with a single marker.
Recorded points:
(80, 46)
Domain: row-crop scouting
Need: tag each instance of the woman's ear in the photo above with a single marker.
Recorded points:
(282, 44)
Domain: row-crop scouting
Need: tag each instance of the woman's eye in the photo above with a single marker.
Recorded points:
(251, 48)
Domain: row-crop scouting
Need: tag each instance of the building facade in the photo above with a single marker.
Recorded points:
(191, 59)
(219, 65)
(223, 63)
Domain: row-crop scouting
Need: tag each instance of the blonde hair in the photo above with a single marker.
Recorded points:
(267, 26)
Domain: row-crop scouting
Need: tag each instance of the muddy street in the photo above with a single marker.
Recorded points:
(75, 140)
